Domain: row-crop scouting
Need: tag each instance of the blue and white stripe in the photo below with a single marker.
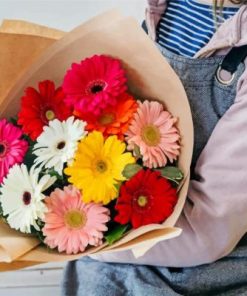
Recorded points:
(188, 25)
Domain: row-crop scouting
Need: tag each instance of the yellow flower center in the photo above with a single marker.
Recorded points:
(101, 166)
(106, 119)
(75, 219)
(142, 200)
(50, 115)
(150, 135)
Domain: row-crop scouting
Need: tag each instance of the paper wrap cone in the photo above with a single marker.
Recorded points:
(149, 77)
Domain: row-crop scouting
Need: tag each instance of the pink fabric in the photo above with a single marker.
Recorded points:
(217, 220)
(154, 12)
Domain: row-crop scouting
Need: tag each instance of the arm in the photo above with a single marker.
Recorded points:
(216, 219)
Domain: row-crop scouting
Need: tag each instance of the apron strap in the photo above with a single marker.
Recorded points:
(227, 69)
(234, 58)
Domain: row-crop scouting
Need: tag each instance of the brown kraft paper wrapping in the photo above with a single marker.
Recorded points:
(149, 76)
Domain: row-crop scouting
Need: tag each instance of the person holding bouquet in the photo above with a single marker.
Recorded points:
(206, 44)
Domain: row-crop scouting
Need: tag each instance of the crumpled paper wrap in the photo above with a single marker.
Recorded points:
(30, 53)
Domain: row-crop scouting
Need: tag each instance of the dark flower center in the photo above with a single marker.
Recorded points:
(26, 198)
(95, 86)
(61, 145)
(3, 149)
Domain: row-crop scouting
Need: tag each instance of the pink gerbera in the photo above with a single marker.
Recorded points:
(70, 224)
(12, 147)
(153, 131)
(94, 84)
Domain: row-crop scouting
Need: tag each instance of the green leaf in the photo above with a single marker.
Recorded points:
(172, 173)
(130, 170)
(118, 186)
(115, 234)
(13, 120)
(29, 157)
(1, 211)
(54, 173)
(137, 152)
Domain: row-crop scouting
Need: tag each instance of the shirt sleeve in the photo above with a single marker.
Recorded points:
(215, 215)
(154, 11)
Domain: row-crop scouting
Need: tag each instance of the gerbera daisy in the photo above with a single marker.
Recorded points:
(145, 199)
(70, 224)
(98, 167)
(113, 120)
(12, 147)
(58, 143)
(39, 107)
(94, 84)
(153, 131)
(21, 197)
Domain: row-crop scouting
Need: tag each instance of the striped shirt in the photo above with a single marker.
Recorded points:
(187, 25)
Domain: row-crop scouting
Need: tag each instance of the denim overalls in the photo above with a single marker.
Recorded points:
(209, 100)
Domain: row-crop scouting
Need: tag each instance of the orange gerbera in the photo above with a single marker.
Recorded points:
(113, 120)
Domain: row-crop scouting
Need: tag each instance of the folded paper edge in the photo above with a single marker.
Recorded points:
(141, 250)
(28, 28)
(168, 233)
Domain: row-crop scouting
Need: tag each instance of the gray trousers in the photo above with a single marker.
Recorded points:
(226, 277)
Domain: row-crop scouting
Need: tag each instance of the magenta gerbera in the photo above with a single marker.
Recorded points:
(70, 224)
(12, 147)
(94, 84)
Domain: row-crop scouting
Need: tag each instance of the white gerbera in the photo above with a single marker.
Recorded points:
(58, 143)
(21, 197)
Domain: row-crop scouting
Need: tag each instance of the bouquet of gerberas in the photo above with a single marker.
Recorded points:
(95, 144)
(86, 162)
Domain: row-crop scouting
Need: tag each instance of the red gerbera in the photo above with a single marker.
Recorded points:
(38, 108)
(113, 120)
(145, 199)
(94, 84)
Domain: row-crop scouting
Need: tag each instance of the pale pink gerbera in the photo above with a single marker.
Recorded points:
(70, 224)
(12, 147)
(153, 131)
(94, 84)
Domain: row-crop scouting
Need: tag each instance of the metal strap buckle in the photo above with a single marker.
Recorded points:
(223, 80)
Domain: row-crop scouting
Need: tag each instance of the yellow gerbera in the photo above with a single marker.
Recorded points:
(97, 167)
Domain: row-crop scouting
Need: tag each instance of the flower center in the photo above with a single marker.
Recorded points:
(106, 119)
(61, 145)
(150, 135)
(142, 200)
(75, 219)
(3, 149)
(26, 197)
(95, 86)
(50, 115)
(101, 166)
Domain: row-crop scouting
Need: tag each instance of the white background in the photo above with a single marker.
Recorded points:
(65, 15)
